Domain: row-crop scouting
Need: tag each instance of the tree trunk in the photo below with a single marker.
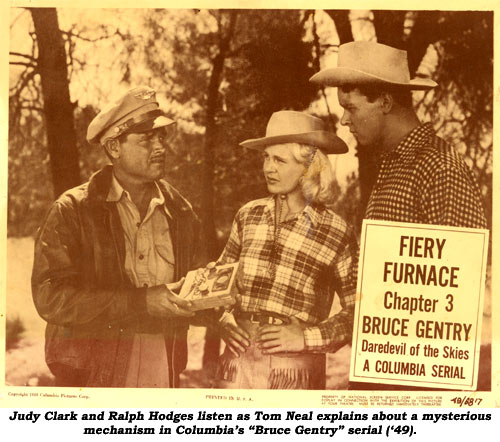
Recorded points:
(425, 31)
(342, 24)
(389, 27)
(367, 172)
(58, 109)
(212, 338)
(207, 203)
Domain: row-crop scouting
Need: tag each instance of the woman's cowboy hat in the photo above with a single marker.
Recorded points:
(297, 127)
(367, 62)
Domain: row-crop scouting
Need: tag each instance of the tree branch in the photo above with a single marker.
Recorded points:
(18, 54)
(22, 63)
(33, 108)
(24, 79)
(13, 22)
(70, 34)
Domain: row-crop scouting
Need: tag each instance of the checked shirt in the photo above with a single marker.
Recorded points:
(425, 181)
(296, 272)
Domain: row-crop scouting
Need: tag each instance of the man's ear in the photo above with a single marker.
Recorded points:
(386, 102)
(112, 148)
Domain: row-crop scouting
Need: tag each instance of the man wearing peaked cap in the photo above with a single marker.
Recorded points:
(137, 109)
(107, 256)
(421, 179)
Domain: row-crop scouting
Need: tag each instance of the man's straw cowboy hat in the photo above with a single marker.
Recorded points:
(367, 62)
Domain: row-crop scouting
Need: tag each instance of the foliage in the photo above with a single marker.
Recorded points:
(347, 203)
(265, 67)
(462, 107)
(455, 48)
(13, 333)
(29, 180)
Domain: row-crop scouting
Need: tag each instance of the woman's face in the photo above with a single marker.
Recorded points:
(281, 170)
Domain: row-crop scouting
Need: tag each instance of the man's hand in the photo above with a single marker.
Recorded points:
(280, 338)
(236, 339)
(161, 301)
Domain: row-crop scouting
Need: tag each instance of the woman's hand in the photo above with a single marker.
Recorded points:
(281, 338)
(236, 339)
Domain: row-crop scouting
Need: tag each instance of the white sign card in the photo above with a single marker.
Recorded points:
(420, 305)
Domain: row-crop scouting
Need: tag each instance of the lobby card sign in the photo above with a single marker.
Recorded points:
(418, 317)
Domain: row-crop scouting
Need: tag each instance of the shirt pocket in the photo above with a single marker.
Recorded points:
(162, 240)
(166, 252)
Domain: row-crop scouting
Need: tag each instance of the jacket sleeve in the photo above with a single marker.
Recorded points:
(199, 247)
(62, 294)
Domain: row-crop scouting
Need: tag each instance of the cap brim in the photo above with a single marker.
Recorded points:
(328, 142)
(341, 76)
(156, 123)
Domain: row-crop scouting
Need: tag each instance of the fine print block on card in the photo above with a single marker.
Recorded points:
(211, 286)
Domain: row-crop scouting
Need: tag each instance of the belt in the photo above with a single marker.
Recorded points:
(264, 318)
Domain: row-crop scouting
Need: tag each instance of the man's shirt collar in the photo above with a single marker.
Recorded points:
(117, 192)
(415, 138)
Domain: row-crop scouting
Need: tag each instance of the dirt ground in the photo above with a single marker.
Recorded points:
(25, 364)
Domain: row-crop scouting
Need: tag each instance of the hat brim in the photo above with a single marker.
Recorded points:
(342, 76)
(328, 142)
(152, 124)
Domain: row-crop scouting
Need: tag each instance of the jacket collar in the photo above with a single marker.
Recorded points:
(100, 184)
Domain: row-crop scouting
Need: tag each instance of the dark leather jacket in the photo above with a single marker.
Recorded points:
(80, 288)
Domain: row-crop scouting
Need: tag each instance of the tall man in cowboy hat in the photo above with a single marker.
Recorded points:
(106, 253)
(421, 179)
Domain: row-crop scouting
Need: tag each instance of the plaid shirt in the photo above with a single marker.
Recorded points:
(314, 256)
(425, 181)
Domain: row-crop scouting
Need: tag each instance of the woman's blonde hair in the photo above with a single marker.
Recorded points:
(318, 179)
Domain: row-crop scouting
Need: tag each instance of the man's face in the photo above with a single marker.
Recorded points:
(364, 118)
(281, 170)
(141, 156)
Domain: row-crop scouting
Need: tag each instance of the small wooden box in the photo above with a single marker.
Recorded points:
(210, 287)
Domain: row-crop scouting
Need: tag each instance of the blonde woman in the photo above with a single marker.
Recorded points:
(295, 253)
